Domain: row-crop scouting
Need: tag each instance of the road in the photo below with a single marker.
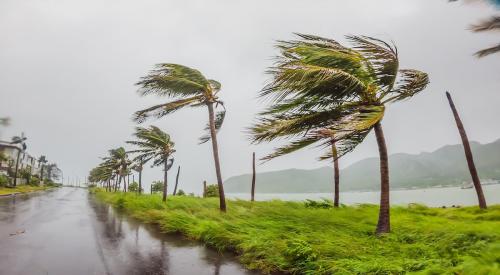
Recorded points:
(66, 231)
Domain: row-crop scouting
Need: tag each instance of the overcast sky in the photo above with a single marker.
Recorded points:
(68, 68)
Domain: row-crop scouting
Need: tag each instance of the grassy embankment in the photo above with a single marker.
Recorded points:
(22, 189)
(288, 236)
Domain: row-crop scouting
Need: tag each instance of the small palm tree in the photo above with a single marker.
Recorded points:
(337, 92)
(119, 162)
(103, 174)
(41, 161)
(20, 140)
(156, 145)
(189, 88)
(138, 166)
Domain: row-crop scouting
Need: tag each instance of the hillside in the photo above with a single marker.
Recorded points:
(445, 166)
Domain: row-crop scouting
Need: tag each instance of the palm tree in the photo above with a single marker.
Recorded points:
(41, 161)
(325, 92)
(119, 162)
(491, 25)
(468, 154)
(190, 88)
(138, 166)
(21, 141)
(103, 174)
(51, 168)
(156, 145)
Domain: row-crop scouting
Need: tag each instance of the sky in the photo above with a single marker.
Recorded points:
(68, 68)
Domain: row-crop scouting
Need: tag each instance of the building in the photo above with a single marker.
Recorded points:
(11, 152)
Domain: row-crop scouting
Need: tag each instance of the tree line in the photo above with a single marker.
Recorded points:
(321, 93)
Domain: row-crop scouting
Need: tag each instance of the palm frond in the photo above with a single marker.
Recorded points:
(410, 83)
(291, 147)
(219, 119)
(383, 58)
(488, 51)
(161, 110)
(493, 23)
(173, 80)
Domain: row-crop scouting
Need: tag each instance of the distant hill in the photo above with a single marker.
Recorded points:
(443, 167)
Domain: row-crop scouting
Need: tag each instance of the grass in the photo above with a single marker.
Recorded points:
(21, 189)
(290, 237)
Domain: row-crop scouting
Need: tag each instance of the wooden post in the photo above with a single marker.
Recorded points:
(177, 180)
(253, 177)
(204, 188)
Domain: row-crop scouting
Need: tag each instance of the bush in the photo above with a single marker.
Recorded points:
(34, 181)
(133, 187)
(157, 186)
(181, 193)
(212, 191)
(318, 204)
(4, 180)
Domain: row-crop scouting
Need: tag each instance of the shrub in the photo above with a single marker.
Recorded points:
(133, 187)
(4, 180)
(34, 181)
(318, 204)
(181, 193)
(212, 191)
(157, 186)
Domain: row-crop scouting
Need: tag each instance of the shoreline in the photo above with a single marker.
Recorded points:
(361, 191)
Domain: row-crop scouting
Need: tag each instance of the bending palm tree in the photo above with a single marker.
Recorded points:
(41, 161)
(154, 145)
(323, 91)
(138, 167)
(21, 141)
(119, 162)
(190, 88)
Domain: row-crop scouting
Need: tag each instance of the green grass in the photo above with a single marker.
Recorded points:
(287, 236)
(21, 189)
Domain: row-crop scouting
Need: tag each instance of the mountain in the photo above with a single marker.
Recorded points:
(444, 167)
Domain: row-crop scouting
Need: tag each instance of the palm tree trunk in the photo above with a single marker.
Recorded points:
(253, 177)
(213, 135)
(17, 167)
(384, 217)
(165, 167)
(468, 155)
(336, 175)
(140, 180)
(177, 179)
(124, 184)
(41, 173)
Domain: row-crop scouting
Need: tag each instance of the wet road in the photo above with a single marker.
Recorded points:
(66, 231)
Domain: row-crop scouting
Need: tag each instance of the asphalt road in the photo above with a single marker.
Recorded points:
(65, 231)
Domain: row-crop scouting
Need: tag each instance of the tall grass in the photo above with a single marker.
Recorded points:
(292, 237)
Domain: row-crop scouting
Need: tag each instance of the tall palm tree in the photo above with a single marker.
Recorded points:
(51, 169)
(189, 88)
(138, 166)
(468, 154)
(339, 94)
(41, 161)
(156, 145)
(20, 140)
